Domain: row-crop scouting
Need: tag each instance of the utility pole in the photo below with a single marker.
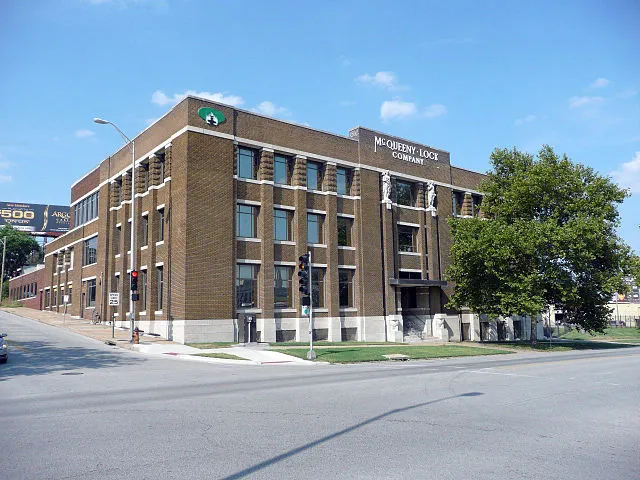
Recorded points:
(4, 251)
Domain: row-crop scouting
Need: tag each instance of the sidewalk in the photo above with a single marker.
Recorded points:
(152, 345)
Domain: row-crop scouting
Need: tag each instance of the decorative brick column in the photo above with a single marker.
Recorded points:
(332, 286)
(267, 323)
(300, 237)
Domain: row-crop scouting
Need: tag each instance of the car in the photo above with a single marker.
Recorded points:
(4, 351)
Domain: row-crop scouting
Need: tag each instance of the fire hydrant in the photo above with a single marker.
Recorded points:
(136, 335)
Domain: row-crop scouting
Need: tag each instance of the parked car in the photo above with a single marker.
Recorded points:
(4, 351)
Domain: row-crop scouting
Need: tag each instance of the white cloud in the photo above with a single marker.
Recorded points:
(392, 109)
(628, 175)
(270, 109)
(84, 133)
(387, 80)
(600, 83)
(433, 111)
(397, 109)
(161, 98)
(578, 102)
(527, 119)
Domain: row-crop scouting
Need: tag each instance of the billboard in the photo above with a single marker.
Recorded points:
(35, 218)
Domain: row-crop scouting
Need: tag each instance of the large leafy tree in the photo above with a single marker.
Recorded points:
(20, 248)
(548, 237)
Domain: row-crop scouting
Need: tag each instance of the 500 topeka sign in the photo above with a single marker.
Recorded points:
(35, 218)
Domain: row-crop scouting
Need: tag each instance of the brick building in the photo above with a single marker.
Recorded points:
(227, 200)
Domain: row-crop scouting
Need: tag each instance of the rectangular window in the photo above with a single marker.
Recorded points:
(404, 193)
(458, 200)
(345, 226)
(247, 163)
(317, 287)
(314, 228)
(282, 287)
(160, 224)
(90, 251)
(345, 280)
(246, 286)
(282, 169)
(70, 295)
(406, 239)
(145, 230)
(116, 240)
(475, 205)
(143, 292)
(282, 220)
(90, 299)
(160, 277)
(47, 298)
(246, 221)
(343, 177)
(314, 176)
(86, 209)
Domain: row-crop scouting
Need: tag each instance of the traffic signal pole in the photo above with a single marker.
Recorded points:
(311, 355)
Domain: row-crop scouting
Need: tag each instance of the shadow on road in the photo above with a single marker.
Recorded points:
(41, 358)
(295, 451)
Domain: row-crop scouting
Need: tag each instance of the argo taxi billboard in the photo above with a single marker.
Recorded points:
(35, 218)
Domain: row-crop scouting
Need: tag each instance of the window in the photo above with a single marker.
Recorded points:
(145, 230)
(345, 281)
(116, 240)
(410, 275)
(344, 181)
(282, 169)
(90, 251)
(143, 292)
(70, 294)
(47, 298)
(404, 193)
(345, 225)
(246, 220)
(314, 176)
(160, 224)
(282, 287)
(86, 209)
(282, 224)
(458, 200)
(475, 205)
(90, 296)
(317, 287)
(406, 239)
(160, 277)
(314, 228)
(247, 163)
(246, 286)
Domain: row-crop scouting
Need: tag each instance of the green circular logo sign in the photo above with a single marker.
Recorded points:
(212, 116)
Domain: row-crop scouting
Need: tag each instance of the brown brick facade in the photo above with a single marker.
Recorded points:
(187, 190)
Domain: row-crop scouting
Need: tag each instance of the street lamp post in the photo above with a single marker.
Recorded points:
(133, 216)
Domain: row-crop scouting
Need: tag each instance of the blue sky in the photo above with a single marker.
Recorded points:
(464, 76)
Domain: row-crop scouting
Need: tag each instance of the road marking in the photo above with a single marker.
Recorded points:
(486, 370)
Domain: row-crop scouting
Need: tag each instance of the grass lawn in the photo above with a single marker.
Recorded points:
(613, 334)
(556, 346)
(206, 346)
(227, 356)
(324, 343)
(375, 354)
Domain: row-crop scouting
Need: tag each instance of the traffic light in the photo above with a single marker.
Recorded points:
(134, 285)
(304, 278)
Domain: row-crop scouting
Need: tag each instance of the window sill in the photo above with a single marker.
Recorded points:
(321, 310)
(248, 239)
(161, 242)
(413, 254)
(89, 265)
(285, 310)
(249, 310)
(144, 312)
(117, 255)
(346, 247)
(158, 312)
(348, 309)
(284, 242)
(317, 245)
(144, 247)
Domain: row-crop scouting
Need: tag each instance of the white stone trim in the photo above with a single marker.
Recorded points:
(284, 242)
(409, 224)
(318, 212)
(410, 270)
(249, 260)
(284, 264)
(159, 264)
(248, 239)
(284, 207)
(86, 279)
(160, 207)
(346, 215)
(318, 265)
(350, 267)
(317, 245)
(161, 242)
(411, 254)
(249, 202)
(346, 247)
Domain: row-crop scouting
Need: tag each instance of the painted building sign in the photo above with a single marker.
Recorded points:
(405, 151)
(35, 218)
(212, 116)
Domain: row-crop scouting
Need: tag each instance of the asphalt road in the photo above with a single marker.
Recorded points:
(74, 408)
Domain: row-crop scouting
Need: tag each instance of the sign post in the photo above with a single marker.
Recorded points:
(114, 301)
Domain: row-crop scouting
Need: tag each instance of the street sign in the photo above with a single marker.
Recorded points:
(114, 299)
(65, 299)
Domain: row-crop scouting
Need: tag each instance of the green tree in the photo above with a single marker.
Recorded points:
(548, 237)
(20, 247)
